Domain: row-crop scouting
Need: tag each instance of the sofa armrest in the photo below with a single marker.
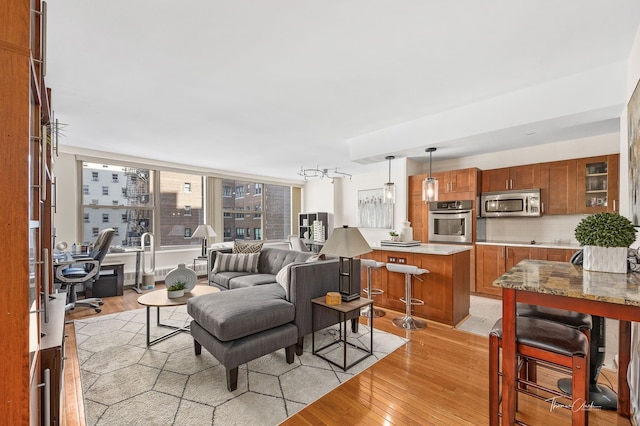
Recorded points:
(310, 280)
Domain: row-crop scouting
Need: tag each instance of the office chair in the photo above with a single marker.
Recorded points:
(83, 270)
(296, 243)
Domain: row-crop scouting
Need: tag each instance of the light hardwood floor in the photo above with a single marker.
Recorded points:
(438, 378)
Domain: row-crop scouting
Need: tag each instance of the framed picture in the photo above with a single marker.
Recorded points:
(633, 123)
(372, 212)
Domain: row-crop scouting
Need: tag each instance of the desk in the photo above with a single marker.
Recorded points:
(566, 286)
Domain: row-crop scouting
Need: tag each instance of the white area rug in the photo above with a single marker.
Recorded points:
(126, 383)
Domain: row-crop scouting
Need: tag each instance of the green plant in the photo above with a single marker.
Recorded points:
(393, 233)
(605, 230)
(178, 285)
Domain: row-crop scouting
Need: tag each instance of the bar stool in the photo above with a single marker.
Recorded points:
(366, 312)
(550, 344)
(407, 322)
(577, 320)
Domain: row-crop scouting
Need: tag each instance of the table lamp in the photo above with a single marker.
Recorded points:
(346, 243)
(204, 231)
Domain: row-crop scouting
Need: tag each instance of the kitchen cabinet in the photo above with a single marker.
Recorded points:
(494, 260)
(597, 184)
(558, 187)
(444, 290)
(459, 184)
(508, 178)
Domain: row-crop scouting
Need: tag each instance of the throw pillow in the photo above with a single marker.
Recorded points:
(236, 262)
(247, 247)
(282, 278)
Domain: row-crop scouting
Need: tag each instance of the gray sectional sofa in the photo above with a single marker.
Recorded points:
(265, 310)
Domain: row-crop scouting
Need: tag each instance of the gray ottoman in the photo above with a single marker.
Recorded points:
(237, 326)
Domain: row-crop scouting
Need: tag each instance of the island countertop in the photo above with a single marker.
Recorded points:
(567, 279)
(440, 249)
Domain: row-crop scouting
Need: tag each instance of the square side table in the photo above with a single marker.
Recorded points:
(342, 310)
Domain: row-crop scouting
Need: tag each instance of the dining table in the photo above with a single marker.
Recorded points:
(564, 285)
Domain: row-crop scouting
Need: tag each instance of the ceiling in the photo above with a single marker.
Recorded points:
(265, 87)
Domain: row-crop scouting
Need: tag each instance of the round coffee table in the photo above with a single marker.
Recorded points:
(158, 298)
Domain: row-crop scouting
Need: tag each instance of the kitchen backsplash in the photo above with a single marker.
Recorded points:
(557, 229)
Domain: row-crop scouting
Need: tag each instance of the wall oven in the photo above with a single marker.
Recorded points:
(451, 222)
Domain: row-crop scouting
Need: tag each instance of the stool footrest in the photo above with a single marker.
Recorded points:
(374, 291)
(412, 301)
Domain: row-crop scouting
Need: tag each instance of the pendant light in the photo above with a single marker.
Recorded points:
(430, 184)
(389, 189)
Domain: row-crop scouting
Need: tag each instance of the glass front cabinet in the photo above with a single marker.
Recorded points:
(598, 184)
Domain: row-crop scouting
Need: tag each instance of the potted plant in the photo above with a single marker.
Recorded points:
(176, 290)
(605, 238)
(394, 236)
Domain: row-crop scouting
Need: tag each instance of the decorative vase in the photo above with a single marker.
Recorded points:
(182, 274)
(395, 238)
(406, 232)
(175, 294)
(605, 259)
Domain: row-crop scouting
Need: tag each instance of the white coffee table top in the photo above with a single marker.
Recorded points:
(159, 297)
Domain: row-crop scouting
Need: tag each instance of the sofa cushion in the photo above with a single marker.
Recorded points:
(251, 280)
(237, 262)
(231, 315)
(272, 259)
(247, 247)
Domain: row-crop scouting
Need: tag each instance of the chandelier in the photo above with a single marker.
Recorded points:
(317, 172)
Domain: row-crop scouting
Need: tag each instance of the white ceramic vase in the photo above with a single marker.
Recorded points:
(406, 232)
(605, 259)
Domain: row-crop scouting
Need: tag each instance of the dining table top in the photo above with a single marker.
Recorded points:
(569, 280)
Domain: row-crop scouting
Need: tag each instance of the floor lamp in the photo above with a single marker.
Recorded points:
(204, 232)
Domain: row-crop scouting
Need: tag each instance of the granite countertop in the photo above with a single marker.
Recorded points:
(441, 249)
(567, 279)
(560, 245)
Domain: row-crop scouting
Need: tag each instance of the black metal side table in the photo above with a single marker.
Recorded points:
(342, 310)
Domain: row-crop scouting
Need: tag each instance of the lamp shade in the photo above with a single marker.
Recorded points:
(346, 242)
(204, 231)
(430, 189)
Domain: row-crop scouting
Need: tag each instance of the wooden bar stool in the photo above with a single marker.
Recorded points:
(407, 322)
(578, 320)
(548, 344)
(370, 310)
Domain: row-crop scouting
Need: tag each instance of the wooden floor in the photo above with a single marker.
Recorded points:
(439, 378)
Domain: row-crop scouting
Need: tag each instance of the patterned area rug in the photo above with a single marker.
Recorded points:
(126, 383)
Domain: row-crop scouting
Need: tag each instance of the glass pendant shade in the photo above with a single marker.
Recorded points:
(430, 189)
(389, 193)
(389, 189)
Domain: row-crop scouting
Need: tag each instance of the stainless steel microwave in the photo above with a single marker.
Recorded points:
(516, 203)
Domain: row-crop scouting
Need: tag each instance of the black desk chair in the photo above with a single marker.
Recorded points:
(83, 270)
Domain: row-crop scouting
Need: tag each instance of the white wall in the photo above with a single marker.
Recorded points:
(633, 76)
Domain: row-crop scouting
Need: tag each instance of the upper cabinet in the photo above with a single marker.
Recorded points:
(507, 178)
(459, 184)
(597, 184)
(558, 187)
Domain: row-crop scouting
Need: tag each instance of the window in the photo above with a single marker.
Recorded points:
(131, 211)
(270, 209)
(115, 228)
(114, 177)
(180, 211)
(227, 191)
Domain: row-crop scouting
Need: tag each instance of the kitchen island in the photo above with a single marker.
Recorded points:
(444, 290)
